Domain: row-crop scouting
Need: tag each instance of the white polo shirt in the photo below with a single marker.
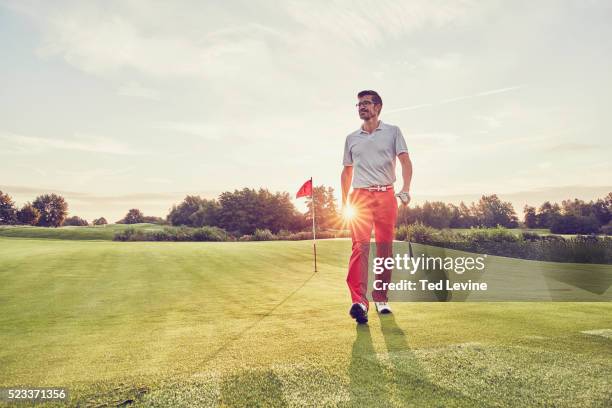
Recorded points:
(373, 155)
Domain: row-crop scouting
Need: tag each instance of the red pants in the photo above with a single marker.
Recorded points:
(377, 209)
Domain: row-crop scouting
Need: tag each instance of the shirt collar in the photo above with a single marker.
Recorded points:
(380, 126)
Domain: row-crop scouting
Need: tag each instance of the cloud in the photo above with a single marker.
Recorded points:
(32, 144)
(245, 58)
(208, 41)
(84, 177)
(136, 90)
(104, 46)
(204, 130)
(159, 180)
(491, 121)
(456, 99)
(545, 165)
(35, 169)
(484, 93)
(103, 199)
(363, 24)
(105, 42)
(445, 62)
(432, 140)
(571, 147)
(407, 108)
(527, 142)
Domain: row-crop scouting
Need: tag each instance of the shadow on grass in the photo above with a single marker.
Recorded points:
(253, 389)
(366, 373)
(398, 380)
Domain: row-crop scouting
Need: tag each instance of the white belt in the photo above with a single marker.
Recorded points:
(378, 188)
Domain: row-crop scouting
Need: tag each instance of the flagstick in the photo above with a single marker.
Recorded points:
(314, 233)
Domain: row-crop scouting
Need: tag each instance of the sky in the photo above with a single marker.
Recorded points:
(123, 104)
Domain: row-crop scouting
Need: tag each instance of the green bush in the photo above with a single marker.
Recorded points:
(263, 235)
(130, 234)
(208, 233)
(499, 241)
(416, 233)
(177, 234)
(299, 236)
(100, 221)
(75, 221)
(607, 229)
(401, 233)
(497, 234)
(574, 224)
(306, 235)
(530, 236)
(283, 234)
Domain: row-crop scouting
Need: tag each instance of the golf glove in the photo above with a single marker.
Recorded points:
(404, 196)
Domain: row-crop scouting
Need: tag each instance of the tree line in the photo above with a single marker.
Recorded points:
(239, 212)
(571, 217)
(47, 210)
(489, 211)
(242, 212)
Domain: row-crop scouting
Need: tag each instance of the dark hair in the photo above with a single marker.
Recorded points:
(375, 96)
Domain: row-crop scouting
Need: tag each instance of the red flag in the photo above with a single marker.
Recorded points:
(305, 190)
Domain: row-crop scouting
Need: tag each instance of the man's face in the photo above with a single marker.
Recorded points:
(367, 108)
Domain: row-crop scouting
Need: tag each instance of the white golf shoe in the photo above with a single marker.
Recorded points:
(382, 307)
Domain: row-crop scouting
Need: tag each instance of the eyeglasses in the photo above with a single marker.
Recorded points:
(364, 103)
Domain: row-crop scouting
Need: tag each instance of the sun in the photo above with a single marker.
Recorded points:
(348, 213)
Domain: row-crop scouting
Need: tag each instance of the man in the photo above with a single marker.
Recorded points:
(369, 162)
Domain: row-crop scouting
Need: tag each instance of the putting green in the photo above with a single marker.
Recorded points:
(248, 323)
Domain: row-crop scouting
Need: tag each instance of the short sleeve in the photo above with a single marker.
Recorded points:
(348, 157)
(400, 143)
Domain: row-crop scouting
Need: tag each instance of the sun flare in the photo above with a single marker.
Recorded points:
(348, 213)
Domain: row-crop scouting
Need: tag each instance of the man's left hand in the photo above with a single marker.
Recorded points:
(404, 197)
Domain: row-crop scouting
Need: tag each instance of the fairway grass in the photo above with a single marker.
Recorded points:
(97, 232)
(249, 323)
